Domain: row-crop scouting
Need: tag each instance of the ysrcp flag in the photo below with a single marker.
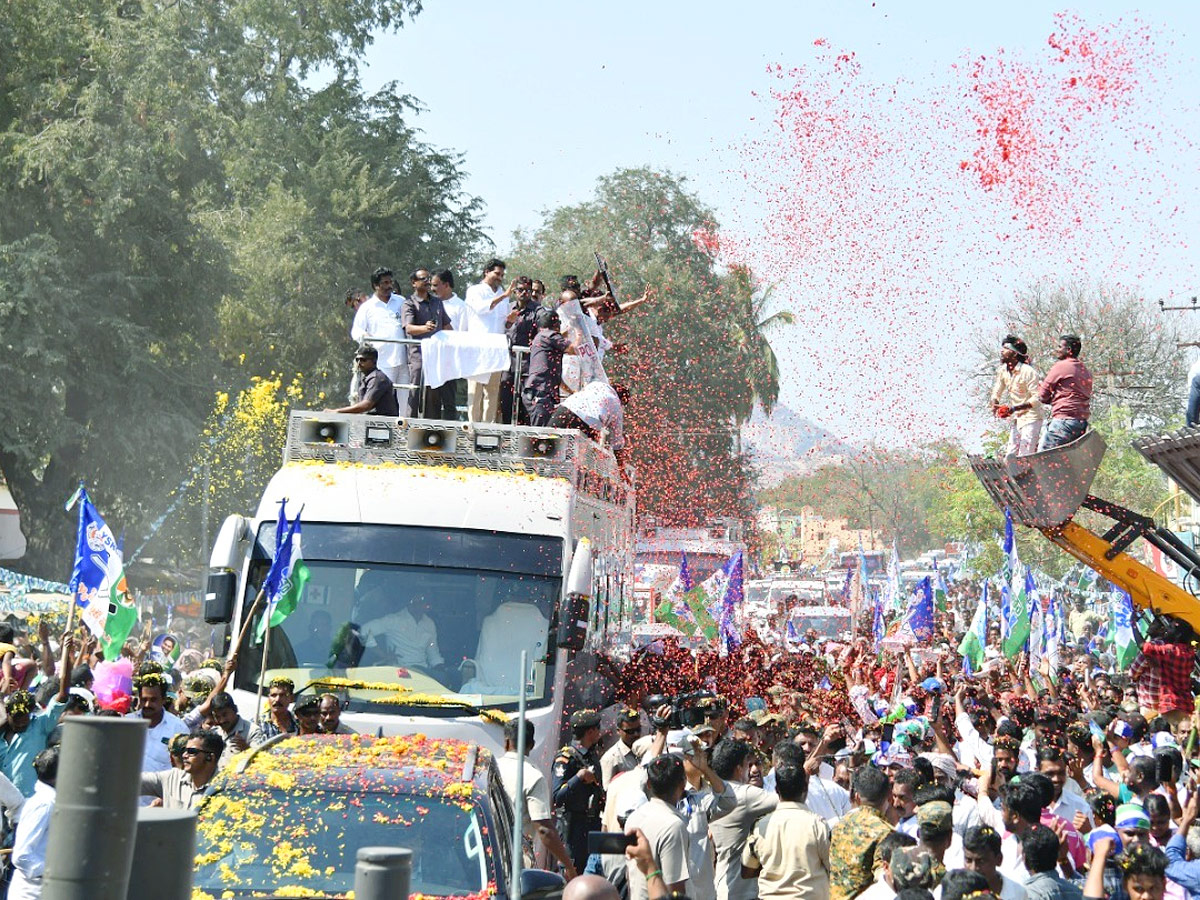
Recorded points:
(1126, 641)
(918, 616)
(98, 581)
(287, 576)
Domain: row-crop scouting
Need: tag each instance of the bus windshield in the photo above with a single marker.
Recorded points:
(408, 616)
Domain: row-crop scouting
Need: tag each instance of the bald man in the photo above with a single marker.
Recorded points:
(590, 887)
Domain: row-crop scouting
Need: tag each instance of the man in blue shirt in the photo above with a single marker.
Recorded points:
(1181, 870)
(26, 730)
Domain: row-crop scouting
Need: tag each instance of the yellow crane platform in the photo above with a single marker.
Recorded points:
(1045, 490)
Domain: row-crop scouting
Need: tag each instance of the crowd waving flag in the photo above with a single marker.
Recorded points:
(287, 576)
(98, 580)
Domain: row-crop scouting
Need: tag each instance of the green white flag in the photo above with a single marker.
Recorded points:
(1022, 592)
(974, 642)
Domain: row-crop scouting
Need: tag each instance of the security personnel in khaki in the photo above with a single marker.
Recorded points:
(578, 793)
(620, 756)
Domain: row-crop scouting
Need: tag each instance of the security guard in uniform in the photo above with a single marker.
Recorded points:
(578, 794)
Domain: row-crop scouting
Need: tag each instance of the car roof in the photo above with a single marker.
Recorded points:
(458, 770)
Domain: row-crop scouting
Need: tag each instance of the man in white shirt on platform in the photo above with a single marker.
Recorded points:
(379, 317)
(489, 307)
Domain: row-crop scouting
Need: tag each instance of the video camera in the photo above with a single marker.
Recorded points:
(687, 710)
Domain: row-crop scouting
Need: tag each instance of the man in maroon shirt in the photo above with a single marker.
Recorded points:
(1067, 390)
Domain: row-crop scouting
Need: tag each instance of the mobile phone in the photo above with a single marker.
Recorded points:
(609, 843)
(888, 730)
(1096, 730)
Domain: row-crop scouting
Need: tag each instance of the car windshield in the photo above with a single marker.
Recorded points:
(286, 842)
(408, 616)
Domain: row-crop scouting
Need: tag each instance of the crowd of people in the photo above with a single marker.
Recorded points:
(193, 726)
(541, 382)
(1064, 779)
(1022, 394)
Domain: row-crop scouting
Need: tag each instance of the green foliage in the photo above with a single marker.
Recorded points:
(183, 210)
(930, 496)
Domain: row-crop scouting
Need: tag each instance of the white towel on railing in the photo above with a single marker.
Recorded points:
(460, 354)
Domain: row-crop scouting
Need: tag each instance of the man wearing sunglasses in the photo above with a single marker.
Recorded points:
(184, 788)
(620, 756)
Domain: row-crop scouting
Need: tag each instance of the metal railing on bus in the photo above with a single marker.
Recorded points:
(518, 352)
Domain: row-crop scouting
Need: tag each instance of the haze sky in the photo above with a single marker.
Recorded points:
(541, 99)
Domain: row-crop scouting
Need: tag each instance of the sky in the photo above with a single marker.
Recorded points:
(896, 169)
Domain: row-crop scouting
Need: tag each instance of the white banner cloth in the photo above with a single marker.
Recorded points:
(462, 354)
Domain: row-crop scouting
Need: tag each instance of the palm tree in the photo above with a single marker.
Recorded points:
(751, 349)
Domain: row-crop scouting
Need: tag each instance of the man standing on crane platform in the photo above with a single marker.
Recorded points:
(1068, 389)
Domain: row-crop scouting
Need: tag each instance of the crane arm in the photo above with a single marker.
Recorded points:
(1147, 588)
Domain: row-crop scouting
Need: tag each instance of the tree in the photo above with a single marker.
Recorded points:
(1130, 346)
(751, 326)
(188, 189)
(893, 493)
(688, 372)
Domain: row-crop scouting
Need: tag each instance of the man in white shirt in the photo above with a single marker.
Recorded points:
(489, 306)
(379, 317)
(152, 696)
(443, 288)
(596, 408)
(408, 636)
(33, 831)
(1053, 765)
(538, 818)
(982, 853)
(1019, 382)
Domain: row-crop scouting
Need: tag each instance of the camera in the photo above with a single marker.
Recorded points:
(687, 710)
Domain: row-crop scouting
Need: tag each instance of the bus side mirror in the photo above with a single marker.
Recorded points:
(571, 633)
(219, 598)
(573, 622)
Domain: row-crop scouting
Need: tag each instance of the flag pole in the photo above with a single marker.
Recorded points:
(262, 673)
(246, 624)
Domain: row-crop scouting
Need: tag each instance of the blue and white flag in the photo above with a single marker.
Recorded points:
(1008, 567)
(893, 599)
(1126, 644)
(287, 576)
(731, 638)
(98, 580)
(1052, 633)
(917, 625)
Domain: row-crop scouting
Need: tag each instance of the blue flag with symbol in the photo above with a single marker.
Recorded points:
(731, 638)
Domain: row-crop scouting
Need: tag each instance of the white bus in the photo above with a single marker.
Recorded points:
(505, 538)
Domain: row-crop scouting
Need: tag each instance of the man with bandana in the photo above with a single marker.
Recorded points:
(1016, 384)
